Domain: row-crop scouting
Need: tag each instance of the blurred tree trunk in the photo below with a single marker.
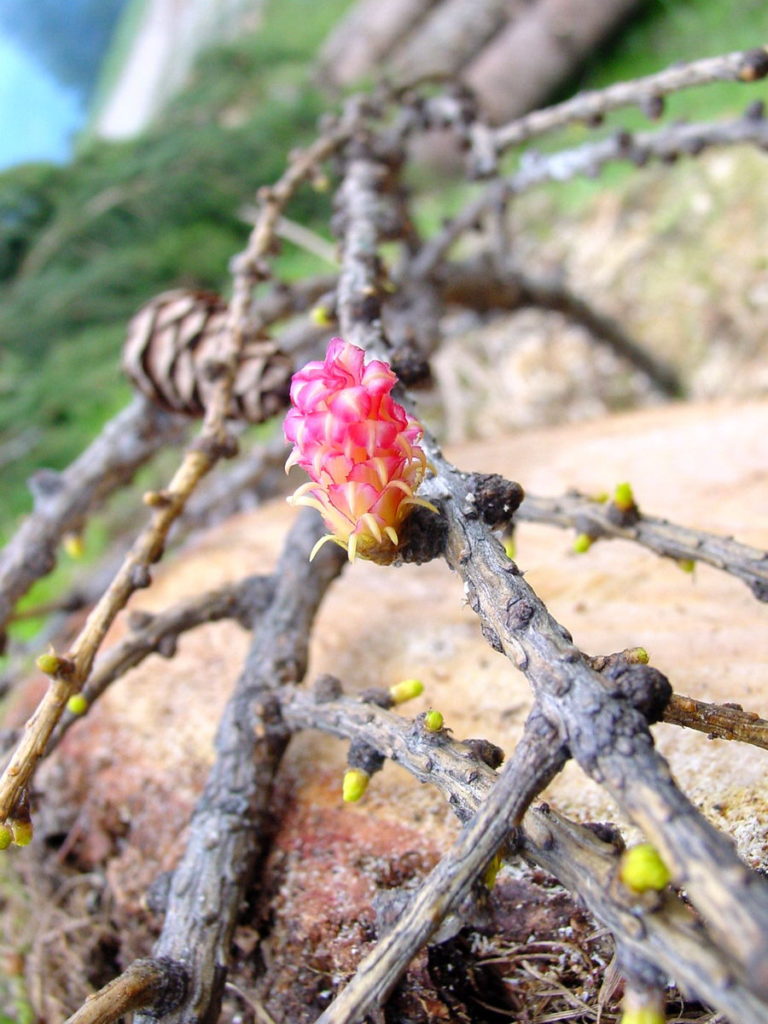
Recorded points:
(536, 51)
(368, 34)
(512, 52)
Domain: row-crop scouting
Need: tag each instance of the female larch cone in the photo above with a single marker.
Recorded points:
(360, 449)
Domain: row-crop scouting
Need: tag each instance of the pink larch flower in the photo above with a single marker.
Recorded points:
(359, 446)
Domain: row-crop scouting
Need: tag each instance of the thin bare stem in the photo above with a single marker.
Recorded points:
(741, 66)
(606, 735)
(229, 829)
(479, 284)
(531, 766)
(63, 500)
(599, 520)
(666, 933)
(144, 983)
(719, 721)
(665, 145)
(157, 634)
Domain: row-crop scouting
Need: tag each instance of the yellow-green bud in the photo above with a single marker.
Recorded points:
(354, 785)
(641, 868)
(489, 877)
(73, 545)
(22, 832)
(643, 1015)
(433, 721)
(582, 544)
(321, 316)
(321, 182)
(49, 663)
(510, 548)
(623, 497)
(637, 656)
(601, 497)
(6, 837)
(686, 564)
(405, 690)
(77, 704)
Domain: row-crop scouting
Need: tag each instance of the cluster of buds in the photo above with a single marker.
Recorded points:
(360, 448)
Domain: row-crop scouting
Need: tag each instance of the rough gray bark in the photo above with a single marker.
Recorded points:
(229, 828)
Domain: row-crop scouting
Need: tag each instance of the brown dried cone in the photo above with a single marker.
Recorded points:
(171, 354)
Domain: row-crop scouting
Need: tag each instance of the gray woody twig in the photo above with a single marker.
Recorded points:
(603, 731)
(478, 284)
(597, 520)
(536, 758)
(157, 983)
(158, 634)
(741, 66)
(63, 500)
(665, 145)
(605, 734)
(667, 934)
(229, 828)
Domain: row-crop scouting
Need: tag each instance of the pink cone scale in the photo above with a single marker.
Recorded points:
(360, 449)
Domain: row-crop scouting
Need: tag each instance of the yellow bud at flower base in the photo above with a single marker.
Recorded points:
(405, 690)
(354, 785)
(686, 564)
(641, 868)
(433, 721)
(22, 832)
(582, 544)
(510, 548)
(77, 704)
(6, 837)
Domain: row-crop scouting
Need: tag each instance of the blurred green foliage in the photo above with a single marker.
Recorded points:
(83, 246)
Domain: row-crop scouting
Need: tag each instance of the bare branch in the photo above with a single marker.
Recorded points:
(536, 758)
(606, 735)
(664, 932)
(251, 479)
(215, 442)
(741, 66)
(598, 520)
(667, 933)
(63, 500)
(719, 721)
(477, 284)
(156, 983)
(157, 634)
(229, 828)
(666, 145)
